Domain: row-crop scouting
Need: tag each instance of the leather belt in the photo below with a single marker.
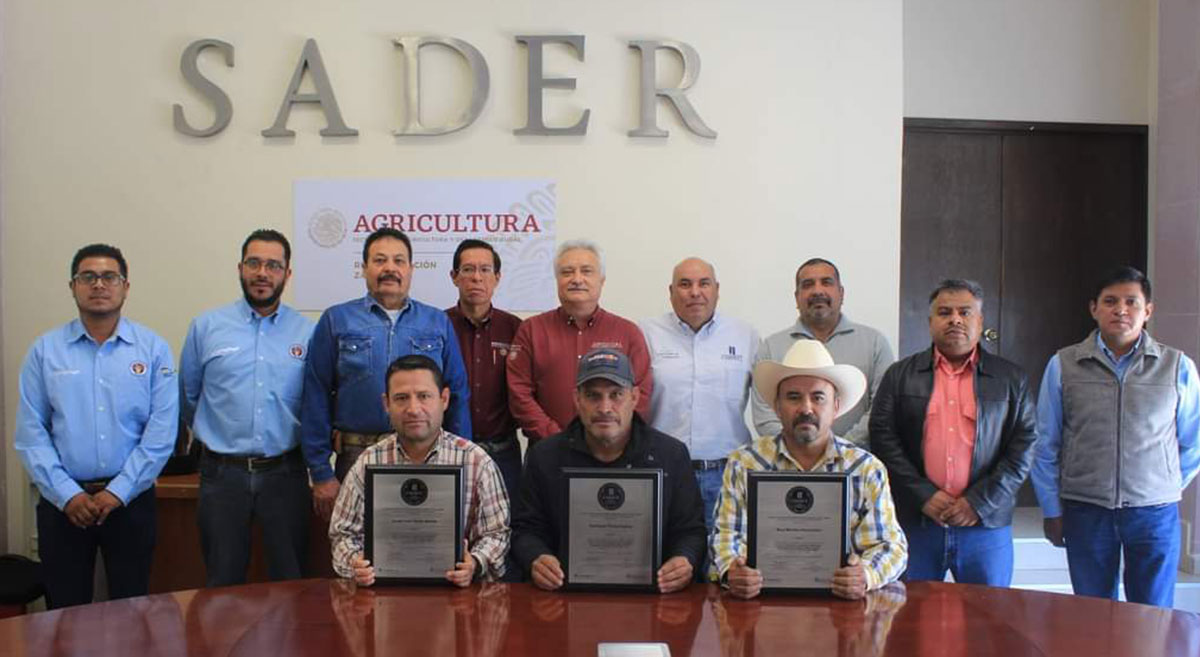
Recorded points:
(715, 464)
(94, 486)
(498, 444)
(249, 462)
(364, 440)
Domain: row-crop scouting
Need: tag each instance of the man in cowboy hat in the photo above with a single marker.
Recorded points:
(808, 391)
(955, 426)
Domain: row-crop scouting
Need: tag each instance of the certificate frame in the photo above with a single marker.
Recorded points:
(839, 481)
(377, 475)
(614, 475)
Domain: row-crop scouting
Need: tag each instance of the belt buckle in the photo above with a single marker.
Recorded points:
(250, 469)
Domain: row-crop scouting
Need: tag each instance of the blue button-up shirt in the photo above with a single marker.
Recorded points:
(701, 382)
(241, 376)
(1050, 423)
(351, 348)
(93, 411)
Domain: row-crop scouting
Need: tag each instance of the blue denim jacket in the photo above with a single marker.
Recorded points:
(351, 348)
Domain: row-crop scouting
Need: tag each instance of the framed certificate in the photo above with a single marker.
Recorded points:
(413, 522)
(612, 535)
(798, 528)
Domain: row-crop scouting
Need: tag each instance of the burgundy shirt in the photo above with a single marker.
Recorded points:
(545, 359)
(484, 349)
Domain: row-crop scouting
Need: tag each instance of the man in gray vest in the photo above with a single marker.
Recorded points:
(1118, 441)
(819, 295)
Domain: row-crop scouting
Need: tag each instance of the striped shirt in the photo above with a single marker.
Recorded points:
(486, 517)
(875, 535)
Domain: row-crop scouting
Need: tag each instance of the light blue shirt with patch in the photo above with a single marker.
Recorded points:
(241, 378)
(93, 411)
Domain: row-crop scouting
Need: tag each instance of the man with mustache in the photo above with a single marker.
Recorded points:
(1119, 427)
(415, 401)
(351, 348)
(955, 426)
(485, 336)
(701, 362)
(819, 295)
(606, 434)
(96, 422)
(547, 348)
(242, 372)
(808, 392)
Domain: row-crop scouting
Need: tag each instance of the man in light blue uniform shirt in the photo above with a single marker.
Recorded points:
(242, 373)
(702, 363)
(351, 348)
(1118, 441)
(98, 413)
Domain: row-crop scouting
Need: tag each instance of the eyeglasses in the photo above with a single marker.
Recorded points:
(471, 270)
(273, 266)
(89, 278)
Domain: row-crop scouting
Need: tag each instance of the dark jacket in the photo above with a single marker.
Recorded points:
(1004, 435)
(540, 504)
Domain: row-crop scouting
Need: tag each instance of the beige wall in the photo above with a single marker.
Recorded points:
(806, 97)
(1029, 60)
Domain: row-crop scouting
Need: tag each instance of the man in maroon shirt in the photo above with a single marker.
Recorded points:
(545, 354)
(485, 336)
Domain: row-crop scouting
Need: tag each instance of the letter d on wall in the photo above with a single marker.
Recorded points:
(480, 82)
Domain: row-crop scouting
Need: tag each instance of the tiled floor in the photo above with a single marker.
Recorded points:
(1043, 567)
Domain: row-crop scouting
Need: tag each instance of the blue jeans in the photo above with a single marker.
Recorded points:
(709, 482)
(231, 499)
(974, 555)
(1149, 535)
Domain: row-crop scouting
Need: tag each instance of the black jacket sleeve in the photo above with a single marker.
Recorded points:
(993, 495)
(533, 531)
(685, 534)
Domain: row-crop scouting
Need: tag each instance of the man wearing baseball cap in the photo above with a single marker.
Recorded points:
(808, 392)
(606, 433)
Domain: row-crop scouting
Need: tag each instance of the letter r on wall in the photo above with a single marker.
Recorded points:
(647, 126)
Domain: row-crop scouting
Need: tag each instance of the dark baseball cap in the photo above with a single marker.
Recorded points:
(609, 364)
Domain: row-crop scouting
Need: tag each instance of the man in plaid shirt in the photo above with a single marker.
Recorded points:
(416, 398)
(808, 392)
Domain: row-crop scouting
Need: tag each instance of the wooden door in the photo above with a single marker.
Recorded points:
(1036, 213)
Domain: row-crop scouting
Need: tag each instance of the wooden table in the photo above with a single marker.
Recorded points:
(328, 618)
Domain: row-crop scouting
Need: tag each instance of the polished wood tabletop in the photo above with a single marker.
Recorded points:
(328, 618)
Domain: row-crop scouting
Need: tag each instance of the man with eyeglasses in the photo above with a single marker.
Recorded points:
(242, 373)
(351, 348)
(96, 422)
(485, 336)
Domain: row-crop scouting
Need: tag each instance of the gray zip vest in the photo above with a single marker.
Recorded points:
(1119, 446)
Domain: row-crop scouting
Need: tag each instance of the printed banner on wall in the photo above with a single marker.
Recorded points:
(334, 217)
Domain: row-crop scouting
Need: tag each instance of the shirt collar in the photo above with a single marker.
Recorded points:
(248, 311)
(456, 311)
(438, 443)
(577, 441)
(370, 302)
(833, 455)
(76, 331)
(1113, 357)
(570, 321)
(941, 361)
(844, 325)
(707, 327)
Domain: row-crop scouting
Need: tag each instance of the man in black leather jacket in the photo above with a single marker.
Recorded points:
(954, 425)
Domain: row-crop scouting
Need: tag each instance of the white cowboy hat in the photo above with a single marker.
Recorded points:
(810, 358)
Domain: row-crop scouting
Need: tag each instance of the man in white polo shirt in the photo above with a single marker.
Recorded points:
(701, 363)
